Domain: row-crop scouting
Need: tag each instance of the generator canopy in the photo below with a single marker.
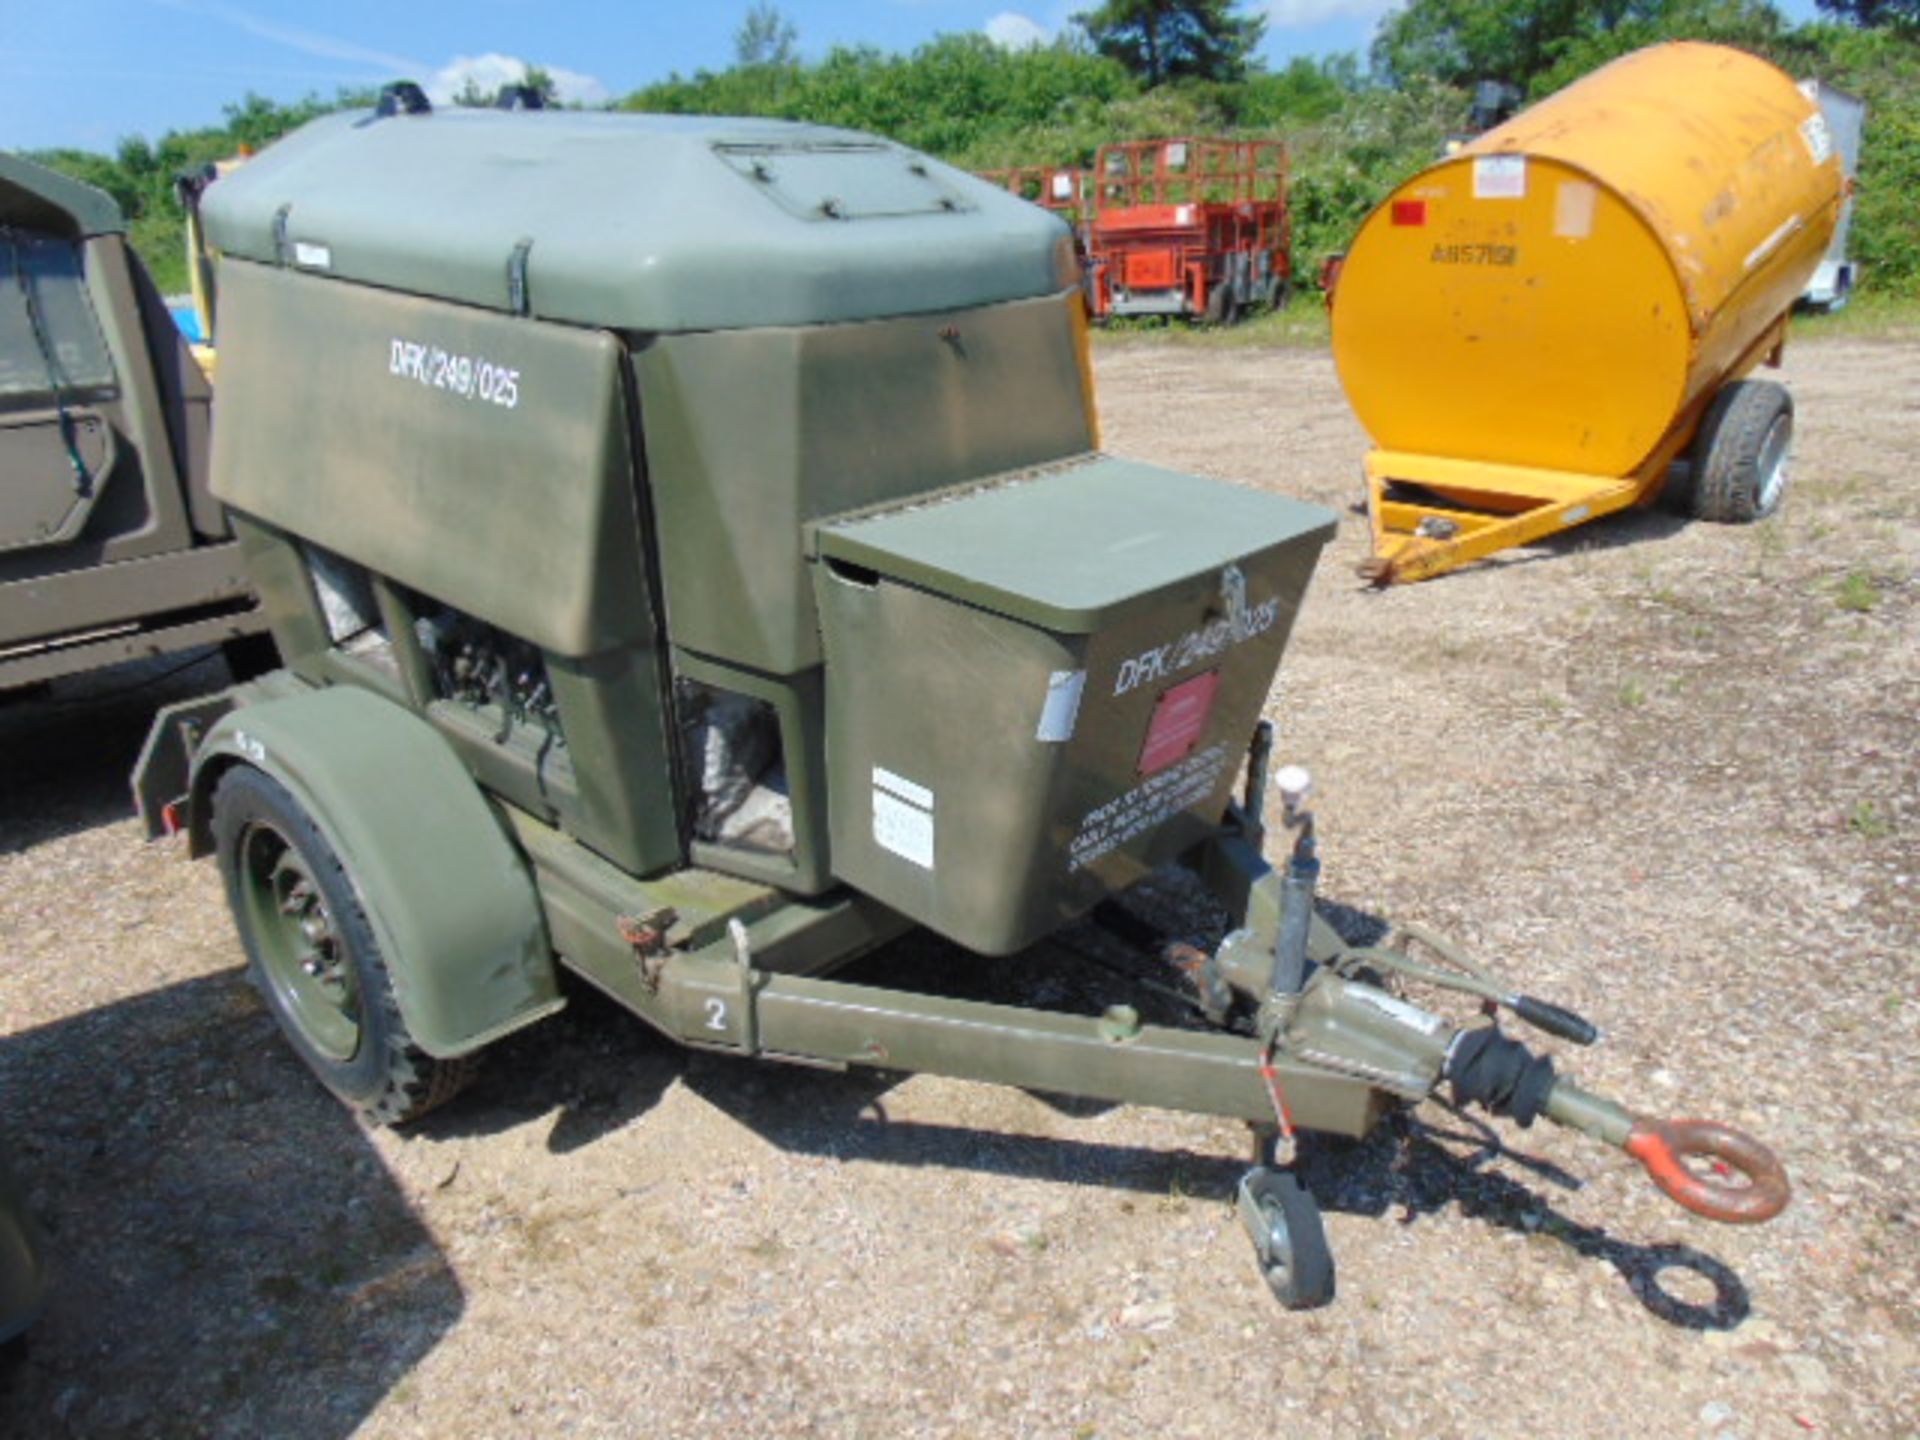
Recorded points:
(636, 222)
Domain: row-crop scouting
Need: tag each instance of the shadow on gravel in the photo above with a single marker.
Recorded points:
(229, 1255)
(600, 1064)
(1409, 1168)
(606, 1069)
(71, 746)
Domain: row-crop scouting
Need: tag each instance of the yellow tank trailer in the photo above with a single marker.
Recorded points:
(1556, 322)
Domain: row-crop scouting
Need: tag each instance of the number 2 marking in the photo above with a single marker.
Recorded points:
(716, 1014)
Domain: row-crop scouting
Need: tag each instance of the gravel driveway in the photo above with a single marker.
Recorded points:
(1668, 774)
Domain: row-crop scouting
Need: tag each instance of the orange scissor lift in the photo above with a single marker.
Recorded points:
(1059, 188)
(1194, 228)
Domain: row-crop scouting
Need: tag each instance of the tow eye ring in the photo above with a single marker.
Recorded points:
(1664, 1147)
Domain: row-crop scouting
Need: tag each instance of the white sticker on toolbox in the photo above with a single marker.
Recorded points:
(1062, 710)
(1190, 649)
(1499, 177)
(884, 779)
(903, 829)
(1156, 799)
(903, 817)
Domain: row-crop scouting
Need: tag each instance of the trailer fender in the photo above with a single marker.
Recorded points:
(449, 897)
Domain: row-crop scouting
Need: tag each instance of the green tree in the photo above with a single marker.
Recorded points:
(1462, 42)
(254, 121)
(1539, 45)
(765, 37)
(1161, 40)
(1870, 14)
(1750, 24)
(952, 96)
(472, 96)
(1306, 90)
(542, 82)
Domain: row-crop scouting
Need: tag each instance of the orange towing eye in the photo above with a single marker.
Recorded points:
(1664, 1146)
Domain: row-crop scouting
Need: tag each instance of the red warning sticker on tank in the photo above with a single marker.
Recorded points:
(1179, 721)
(1409, 212)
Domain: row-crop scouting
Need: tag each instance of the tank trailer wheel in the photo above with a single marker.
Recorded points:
(313, 955)
(1289, 1239)
(1740, 455)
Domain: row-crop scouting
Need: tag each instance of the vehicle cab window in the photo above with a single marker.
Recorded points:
(50, 341)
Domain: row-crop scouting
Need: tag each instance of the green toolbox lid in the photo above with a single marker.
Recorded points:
(1065, 547)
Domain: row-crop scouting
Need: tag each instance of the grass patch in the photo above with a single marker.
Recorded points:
(1868, 316)
(1768, 542)
(1858, 593)
(1302, 324)
(1866, 821)
(1633, 693)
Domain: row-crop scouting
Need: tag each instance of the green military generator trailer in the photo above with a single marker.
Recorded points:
(695, 566)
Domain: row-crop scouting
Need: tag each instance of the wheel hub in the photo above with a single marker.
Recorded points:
(1773, 464)
(300, 952)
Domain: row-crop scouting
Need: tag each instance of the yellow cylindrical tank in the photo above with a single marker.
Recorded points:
(1560, 292)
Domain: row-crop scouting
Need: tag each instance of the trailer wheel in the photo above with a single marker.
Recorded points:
(312, 952)
(1289, 1240)
(1739, 470)
(1220, 305)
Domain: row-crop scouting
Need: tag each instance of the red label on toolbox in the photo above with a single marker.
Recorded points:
(1179, 720)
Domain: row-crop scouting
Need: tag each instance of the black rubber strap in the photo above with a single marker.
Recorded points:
(1488, 1069)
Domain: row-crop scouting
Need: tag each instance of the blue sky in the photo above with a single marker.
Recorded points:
(88, 72)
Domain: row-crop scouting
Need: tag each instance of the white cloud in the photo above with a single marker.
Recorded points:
(307, 42)
(1011, 30)
(1292, 14)
(487, 73)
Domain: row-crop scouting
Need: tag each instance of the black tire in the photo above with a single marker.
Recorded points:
(1296, 1261)
(1739, 470)
(313, 955)
(1220, 305)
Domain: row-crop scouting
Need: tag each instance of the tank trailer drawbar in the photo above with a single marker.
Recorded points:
(696, 565)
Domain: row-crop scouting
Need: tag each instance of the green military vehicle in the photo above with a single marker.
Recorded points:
(112, 548)
(696, 566)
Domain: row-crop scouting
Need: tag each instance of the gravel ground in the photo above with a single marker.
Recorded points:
(1665, 773)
